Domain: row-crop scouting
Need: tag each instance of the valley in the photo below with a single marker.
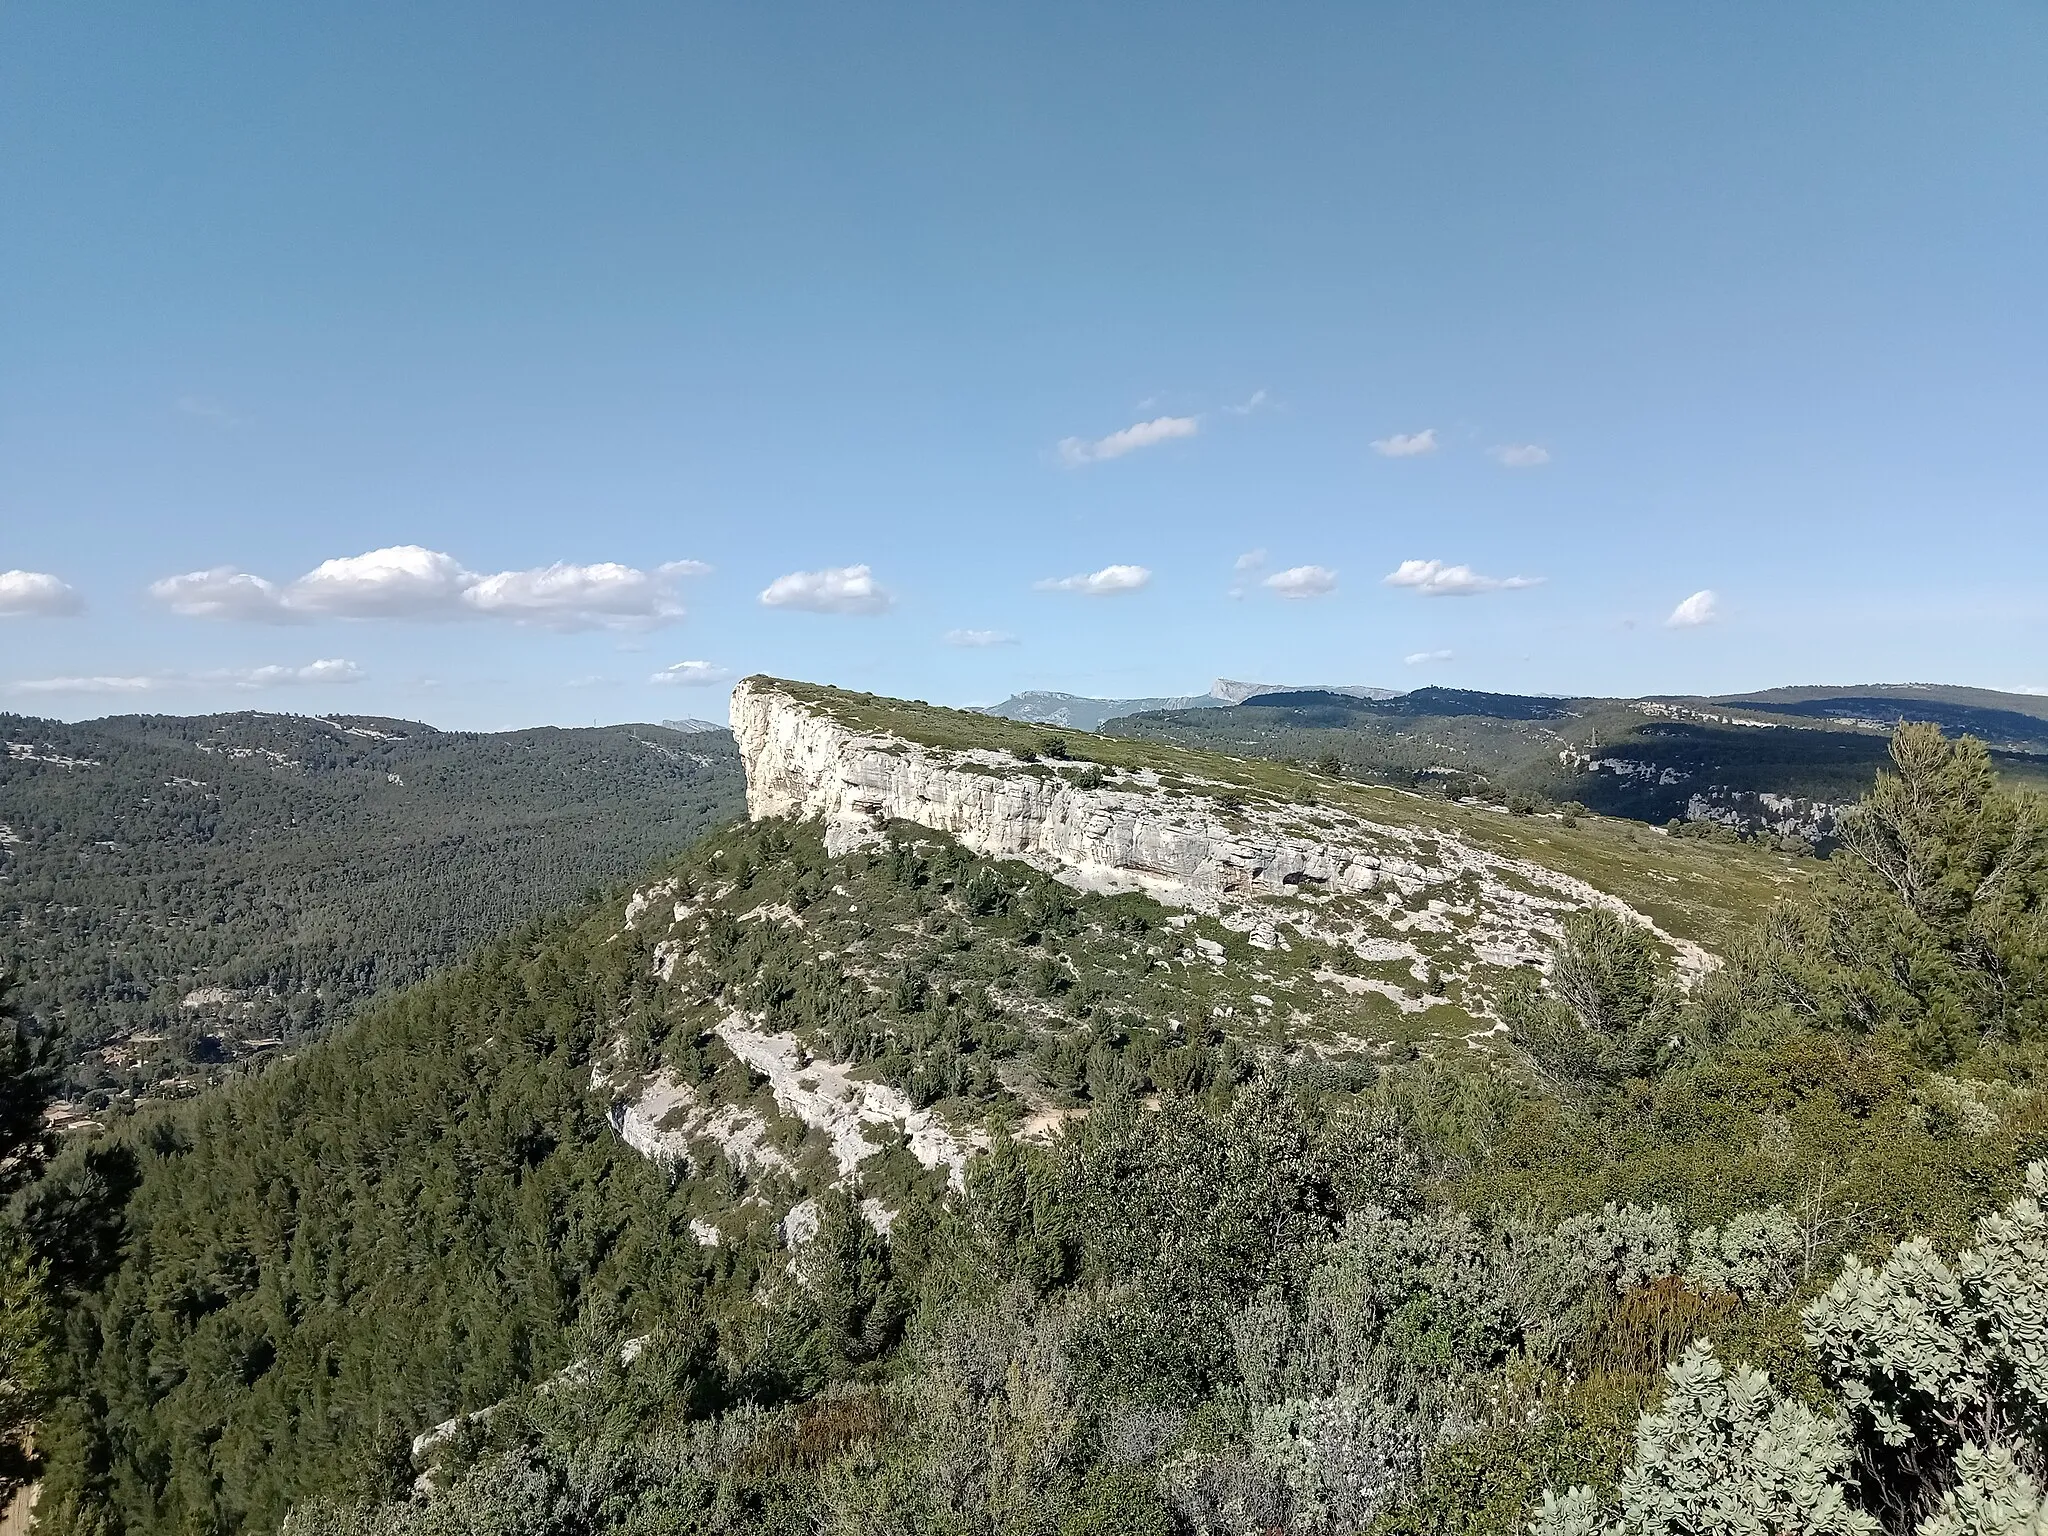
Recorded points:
(181, 895)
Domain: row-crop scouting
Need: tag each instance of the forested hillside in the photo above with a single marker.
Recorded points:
(179, 894)
(901, 1189)
(1781, 764)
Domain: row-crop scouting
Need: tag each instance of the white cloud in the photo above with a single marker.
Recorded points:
(1406, 445)
(222, 592)
(85, 685)
(313, 673)
(1302, 581)
(979, 637)
(693, 674)
(332, 670)
(404, 581)
(407, 581)
(1701, 608)
(1075, 451)
(839, 589)
(1425, 658)
(37, 594)
(1256, 402)
(1432, 578)
(563, 596)
(1520, 455)
(1247, 565)
(1110, 579)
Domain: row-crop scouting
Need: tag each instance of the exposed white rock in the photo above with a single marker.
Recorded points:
(1358, 986)
(1183, 850)
(641, 900)
(665, 1116)
(662, 1116)
(1622, 767)
(800, 1225)
(825, 1095)
(1753, 811)
(33, 752)
(1681, 712)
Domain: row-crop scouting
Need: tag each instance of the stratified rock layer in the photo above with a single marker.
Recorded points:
(1246, 864)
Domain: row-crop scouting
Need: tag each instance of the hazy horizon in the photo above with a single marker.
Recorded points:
(714, 711)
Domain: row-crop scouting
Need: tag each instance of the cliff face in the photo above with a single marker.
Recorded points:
(1254, 865)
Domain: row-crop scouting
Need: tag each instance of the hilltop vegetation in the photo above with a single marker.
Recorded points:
(173, 891)
(1247, 1285)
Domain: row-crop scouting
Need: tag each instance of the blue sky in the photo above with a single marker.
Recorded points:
(613, 320)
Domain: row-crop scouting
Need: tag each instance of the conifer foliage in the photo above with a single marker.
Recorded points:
(27, 1071)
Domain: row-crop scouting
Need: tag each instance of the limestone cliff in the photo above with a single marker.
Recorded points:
(1253, 861)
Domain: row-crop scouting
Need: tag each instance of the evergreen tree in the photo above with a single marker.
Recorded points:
(846, 1268)
(1609, 1009)
(1932, 925)
(27, 1070)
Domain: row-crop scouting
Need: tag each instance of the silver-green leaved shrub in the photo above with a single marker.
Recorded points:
(1943, 1373)
(1342, 1459)
(1929, 1354)
(1753, 1255)
(1624, 1246)
(1378, 1355)
(1723, 1455)
(1575, 1512)
(1991, 1496)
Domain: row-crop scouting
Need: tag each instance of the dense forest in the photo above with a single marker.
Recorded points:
(178, 894)
(1766, 1253)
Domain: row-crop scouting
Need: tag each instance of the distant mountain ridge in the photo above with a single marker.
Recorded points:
(1784, 762)
(2035, 704)
(2015, 722)
(1078, 712)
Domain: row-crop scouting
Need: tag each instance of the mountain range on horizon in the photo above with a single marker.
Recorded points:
(1080, 712)
(1086, 712)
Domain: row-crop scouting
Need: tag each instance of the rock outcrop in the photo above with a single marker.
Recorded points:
(1245, 863)
(1816, 821)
